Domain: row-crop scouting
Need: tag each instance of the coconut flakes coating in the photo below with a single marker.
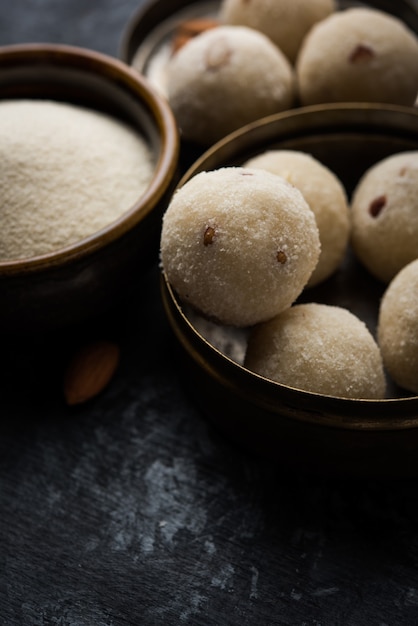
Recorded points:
(385, 215)
(285, 23)
(224, 78)
(318, 348)
(239, 245)
(358, 54)
(398, 327)
(325, 195)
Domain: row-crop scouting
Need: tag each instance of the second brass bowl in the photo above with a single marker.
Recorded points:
(303, 429)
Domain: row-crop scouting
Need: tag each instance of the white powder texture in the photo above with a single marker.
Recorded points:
(285, 22)
(398, 327)
(326, 196)
(66, 172)
(318, 348)
(358, 54)
(239, 244)
(384, 213)
(225, 78)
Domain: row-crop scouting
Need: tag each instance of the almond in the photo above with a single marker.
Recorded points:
(90, 370)
(189, 29)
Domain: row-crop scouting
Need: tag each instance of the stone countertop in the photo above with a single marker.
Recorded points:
(132, 510)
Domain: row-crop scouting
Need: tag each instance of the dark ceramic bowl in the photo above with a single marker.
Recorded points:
(306, 430)
(79, 281)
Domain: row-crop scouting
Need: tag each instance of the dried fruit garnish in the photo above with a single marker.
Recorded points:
(281, 257)
(377, 205)
(208, 236)
(361, 54)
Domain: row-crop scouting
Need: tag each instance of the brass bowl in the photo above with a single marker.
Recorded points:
(146, 43)
(307, 430)
(77, 282)
(148, 34)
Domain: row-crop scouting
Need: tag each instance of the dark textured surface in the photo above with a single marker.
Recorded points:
(130, 510)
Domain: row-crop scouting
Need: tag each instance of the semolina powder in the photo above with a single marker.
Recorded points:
(66, 172)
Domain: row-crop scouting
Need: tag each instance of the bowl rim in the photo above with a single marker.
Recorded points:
(149, 11)
(336, 109)
(244, 380)
(373, 414)
(165, 168)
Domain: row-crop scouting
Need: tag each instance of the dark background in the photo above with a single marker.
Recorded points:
(132, 510)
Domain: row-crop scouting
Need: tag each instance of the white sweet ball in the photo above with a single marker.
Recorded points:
(325, 195)
(239, 245)
(318, 348)
(384, 213)
(285, 23)
(398, 327)
(361, 55)
(224, 78)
